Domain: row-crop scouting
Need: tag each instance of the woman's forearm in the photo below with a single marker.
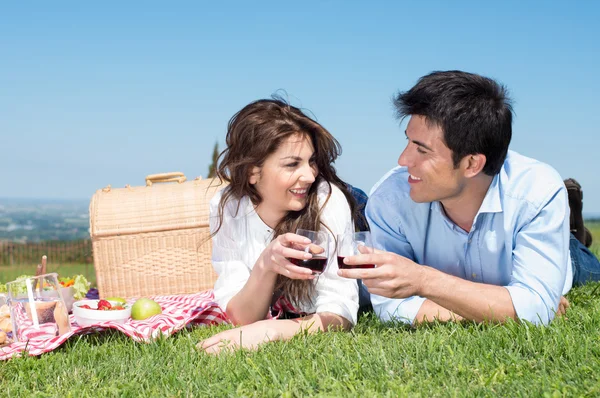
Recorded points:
(285, 329)
(252, 302)
(253, 335)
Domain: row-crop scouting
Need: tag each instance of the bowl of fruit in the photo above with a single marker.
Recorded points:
(91, 312)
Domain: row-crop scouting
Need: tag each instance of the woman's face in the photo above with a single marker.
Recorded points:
(285, 178)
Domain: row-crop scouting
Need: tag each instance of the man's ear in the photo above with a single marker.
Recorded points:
(474, 164)
(254, 175)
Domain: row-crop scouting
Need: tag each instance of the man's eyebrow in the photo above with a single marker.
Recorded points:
(419, 143)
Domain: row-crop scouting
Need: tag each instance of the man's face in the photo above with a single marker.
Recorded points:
(433, 176)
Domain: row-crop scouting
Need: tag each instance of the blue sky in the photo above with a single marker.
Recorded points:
(106, 93)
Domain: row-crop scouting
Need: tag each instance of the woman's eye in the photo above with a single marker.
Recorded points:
(291, 165)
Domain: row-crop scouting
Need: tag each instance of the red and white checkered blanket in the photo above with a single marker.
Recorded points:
(178, 311)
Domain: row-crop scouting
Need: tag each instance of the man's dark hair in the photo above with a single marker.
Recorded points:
(474, 113)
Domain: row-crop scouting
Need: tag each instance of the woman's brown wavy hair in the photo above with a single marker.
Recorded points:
(253, 134)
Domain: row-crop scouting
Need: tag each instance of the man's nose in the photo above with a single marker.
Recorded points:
(404, 158)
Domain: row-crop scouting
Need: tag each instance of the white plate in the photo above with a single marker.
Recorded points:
(85, 317)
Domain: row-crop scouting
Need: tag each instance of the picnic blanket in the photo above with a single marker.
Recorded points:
(178, 311)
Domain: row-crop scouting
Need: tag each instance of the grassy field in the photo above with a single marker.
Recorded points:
(374, 359)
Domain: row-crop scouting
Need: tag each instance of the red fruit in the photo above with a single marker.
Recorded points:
(87, 307)
(118, 307)
(104, 305)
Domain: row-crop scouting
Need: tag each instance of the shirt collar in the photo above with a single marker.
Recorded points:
(491, 202)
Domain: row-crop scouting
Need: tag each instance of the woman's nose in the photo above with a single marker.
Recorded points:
(309, 174)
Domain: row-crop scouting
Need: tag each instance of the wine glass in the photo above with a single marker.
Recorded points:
(348, 245)
(319, 248)
(37, 308)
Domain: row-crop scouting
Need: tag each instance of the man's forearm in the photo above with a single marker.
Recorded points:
(431, 311)
(470, 300)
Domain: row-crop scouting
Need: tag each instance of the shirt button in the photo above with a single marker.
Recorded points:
(469, 241)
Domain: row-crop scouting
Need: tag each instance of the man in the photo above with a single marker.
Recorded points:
(468, 229)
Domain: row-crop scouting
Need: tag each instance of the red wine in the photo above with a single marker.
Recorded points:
(341, 264)
(316, 264)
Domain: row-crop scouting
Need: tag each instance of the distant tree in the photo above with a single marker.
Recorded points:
(212, 168)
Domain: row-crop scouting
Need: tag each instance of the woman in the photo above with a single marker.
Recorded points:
(278, 163)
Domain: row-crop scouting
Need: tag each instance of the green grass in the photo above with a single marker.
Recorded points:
(374, 359)
(11, 272)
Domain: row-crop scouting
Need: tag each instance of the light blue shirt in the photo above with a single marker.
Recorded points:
(519, 238)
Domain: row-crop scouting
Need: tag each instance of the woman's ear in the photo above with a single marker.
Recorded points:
(254, 175)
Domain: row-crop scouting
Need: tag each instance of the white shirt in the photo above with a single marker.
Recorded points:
(243, 237)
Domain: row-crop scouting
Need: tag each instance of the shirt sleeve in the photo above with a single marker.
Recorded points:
(333, 293)
(387, 234)
(541, 260)
(226, 257)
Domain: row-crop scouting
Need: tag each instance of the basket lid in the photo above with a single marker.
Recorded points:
(153, 208)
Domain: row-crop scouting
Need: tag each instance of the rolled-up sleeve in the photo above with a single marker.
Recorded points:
(333, 293)
(226, 258)
(233, 273)
(540, 261)
(387, 235)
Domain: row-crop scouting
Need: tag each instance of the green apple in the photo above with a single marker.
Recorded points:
(145, 308)
(119, 300)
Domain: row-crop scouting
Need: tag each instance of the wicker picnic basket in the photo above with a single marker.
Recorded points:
(153, 239)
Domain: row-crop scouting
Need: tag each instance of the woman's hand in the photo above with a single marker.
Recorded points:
(251, 304)
(562, 306)
(248, 336)
(276, 254)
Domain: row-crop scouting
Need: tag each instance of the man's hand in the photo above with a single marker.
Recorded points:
(248, 336)
(394, 276)
(398, 277)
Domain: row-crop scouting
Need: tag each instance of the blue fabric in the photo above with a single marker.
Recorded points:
(519, 238)
(586, 267)
(361, 200)
(364, 298)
